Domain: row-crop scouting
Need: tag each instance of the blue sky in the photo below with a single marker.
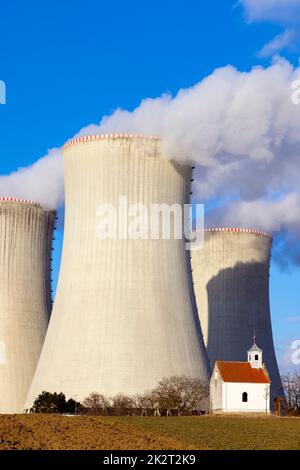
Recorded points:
(66, 64)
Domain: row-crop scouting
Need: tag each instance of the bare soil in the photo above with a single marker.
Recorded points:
(53, 432)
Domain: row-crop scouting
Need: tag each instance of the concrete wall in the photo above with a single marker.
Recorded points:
(123, 316)
(231, 280)
(25, 296)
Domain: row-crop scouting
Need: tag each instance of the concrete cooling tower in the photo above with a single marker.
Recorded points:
(26, 232)
(231, 281)
(123, 315)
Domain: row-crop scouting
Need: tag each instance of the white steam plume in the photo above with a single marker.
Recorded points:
(242, 131)
(230, 113)
(42, 182)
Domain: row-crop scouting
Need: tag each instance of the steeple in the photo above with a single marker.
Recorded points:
(255, 355)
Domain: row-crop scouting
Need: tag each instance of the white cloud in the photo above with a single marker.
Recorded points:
(295, 319)
(277, 11)
(285, 13)
(284, 41)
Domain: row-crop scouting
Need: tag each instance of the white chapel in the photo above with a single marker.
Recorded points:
(241, 387)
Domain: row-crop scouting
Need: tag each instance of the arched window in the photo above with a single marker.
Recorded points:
(245, 397)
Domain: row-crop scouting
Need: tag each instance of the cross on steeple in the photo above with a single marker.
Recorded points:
(255, 354)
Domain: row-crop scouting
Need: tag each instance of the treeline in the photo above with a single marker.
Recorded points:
(48, 402)
(178, 395)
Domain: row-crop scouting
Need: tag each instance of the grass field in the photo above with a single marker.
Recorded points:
(206, 433)
(221, 433)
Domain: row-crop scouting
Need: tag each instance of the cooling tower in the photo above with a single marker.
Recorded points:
(123, 315)
(25, 295)
(231, 282)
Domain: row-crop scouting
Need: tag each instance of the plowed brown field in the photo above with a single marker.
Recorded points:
(53, 432)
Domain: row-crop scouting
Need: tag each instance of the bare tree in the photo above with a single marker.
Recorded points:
(181, 394)
(196, 394)
(145, 403)
(267, 398)
(123, 404)
(291, 386)
(96, 403)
